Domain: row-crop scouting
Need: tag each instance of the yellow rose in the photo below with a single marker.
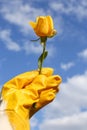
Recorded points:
(43, 26)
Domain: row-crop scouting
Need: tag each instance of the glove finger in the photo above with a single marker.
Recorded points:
(46, 97)
(53, 81)
(21, 80)
(47, 71)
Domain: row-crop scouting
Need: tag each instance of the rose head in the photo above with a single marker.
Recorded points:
(43, 27)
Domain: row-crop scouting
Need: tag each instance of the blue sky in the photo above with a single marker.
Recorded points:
(67, 55)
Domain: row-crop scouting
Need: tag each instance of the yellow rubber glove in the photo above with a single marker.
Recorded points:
(26, 93)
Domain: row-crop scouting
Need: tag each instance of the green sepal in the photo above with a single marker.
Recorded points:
(35, 40)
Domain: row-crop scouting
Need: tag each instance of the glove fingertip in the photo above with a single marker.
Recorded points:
(47, 71)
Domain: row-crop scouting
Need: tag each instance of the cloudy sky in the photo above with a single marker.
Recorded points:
(67, 55)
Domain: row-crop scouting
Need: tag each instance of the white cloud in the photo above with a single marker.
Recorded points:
(71, 99)
(74, 122)
(33, 122)
(20, 14)
(67, 66)
(66, 112)
(83, 54)
(32, 48)
(79, 9)
(28, 47)
(36, 48)
(5, 36)
(51, 50)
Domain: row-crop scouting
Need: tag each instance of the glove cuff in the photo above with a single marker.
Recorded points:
(11, 120)
(16, 121)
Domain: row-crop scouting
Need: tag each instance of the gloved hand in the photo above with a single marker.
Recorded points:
(26, 93)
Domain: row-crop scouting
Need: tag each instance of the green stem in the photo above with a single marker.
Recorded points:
(43, 43)
(44, 46)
